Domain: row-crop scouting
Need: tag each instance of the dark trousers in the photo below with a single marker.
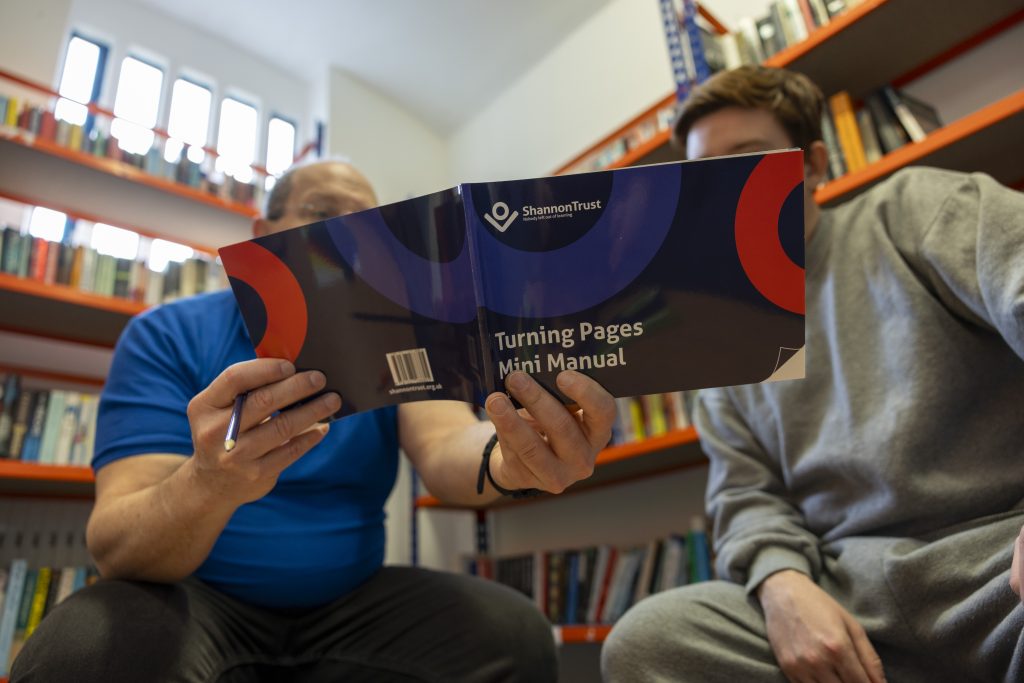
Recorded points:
(404, 624)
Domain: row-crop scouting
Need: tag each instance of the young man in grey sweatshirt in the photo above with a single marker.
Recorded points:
(864, 517)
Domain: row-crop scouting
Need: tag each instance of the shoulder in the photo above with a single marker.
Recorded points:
(184, 317)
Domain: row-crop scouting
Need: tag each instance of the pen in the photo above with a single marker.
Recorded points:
(231, 438)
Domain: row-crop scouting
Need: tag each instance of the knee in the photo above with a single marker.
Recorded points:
(660, 635)
(513, 624)
(85, 638)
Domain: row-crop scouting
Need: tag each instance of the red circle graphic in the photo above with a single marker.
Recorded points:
(765, 262)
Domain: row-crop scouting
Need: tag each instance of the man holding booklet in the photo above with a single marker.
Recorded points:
(258, 556)
(864, 516)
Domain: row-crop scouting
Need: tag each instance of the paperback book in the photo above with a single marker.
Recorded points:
(650, 279)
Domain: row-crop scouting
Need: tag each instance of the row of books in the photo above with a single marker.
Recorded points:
(889, 119)
(596, 585)
(787, 23)
(87, 270)
(21, 117)
(27, 595)
(643, 417)
(51, 426)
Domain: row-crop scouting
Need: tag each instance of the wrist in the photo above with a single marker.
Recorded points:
(491, 452)
(780, 581)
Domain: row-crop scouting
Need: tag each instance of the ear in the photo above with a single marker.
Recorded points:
(816, 164)
(261, 227)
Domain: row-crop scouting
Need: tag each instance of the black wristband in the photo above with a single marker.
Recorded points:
(485, 471)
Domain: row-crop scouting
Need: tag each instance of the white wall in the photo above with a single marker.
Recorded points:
(401, 156)
(182, 49)
(603, 74)
(31, 39)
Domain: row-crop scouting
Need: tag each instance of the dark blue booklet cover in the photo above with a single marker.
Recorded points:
(648, 279)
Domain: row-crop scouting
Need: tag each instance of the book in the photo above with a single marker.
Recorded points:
(890, 132)
(649, 279)
(917, 118)
(15, 588)
(24, 609)
(841, 106)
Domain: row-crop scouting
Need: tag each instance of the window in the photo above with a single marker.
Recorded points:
(48, 224)
(80, 80)
(136, 105)
(189, 121)
(162, 252)
(117, 242)
(236, 139)
(280, 145)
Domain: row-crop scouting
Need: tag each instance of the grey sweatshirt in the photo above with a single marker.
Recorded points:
(910, 422)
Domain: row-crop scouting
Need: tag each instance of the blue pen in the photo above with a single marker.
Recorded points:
(231, 438)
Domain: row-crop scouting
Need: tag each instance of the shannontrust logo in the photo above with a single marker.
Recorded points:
(501, 218)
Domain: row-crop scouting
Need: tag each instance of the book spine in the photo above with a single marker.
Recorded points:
(906, 118)
(486, 353)
(9, 616)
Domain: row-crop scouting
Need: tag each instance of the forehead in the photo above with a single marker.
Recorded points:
(732, 130)
(330, 179)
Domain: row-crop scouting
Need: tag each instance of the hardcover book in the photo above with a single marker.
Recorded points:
(649, 279)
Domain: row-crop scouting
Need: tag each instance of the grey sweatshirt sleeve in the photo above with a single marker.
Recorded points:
(756, 530)
(964, 235)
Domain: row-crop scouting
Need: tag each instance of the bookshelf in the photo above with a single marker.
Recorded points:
(874, 43)
(619, 463)
(845, 55)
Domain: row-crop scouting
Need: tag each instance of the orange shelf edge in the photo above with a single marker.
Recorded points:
(582, 633)
(15, 469)
(120, 169)
(608, 455)
(39, 373)
(92, 218)
(936, 140)
(68, 294)
(821, 34)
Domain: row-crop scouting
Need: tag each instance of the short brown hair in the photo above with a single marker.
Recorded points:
(793, 98)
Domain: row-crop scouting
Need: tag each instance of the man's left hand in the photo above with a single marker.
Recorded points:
(546, 446)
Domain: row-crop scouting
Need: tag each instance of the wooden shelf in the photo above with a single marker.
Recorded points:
(615, 464)
(581, 633)
(51, 376)
(35, 479)
(118, 169)
(941, 29)
(78, 215)
(879, 41)
(990, 139)
(60, 312)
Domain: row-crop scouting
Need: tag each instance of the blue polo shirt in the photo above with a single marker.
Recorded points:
(320, 532)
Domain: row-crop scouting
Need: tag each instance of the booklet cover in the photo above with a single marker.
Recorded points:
(649, 279)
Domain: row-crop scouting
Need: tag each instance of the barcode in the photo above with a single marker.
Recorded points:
(410, 367)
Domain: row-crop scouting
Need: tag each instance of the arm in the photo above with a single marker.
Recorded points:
(548, 447)
(761, 540)
(964, 235)
(157, 514)
(757, 531)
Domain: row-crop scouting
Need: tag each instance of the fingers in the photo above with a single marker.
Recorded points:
(285, 426)
(287, 453)
(863, 664)
(564, 435)
(242, 377)
(263, 402)
(597, 404)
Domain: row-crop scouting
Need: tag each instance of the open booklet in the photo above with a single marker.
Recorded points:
(648, 279)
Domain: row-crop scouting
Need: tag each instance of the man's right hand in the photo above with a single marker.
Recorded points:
(265, 447)
(812, 636)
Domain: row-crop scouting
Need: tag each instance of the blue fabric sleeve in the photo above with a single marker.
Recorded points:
(143, 405)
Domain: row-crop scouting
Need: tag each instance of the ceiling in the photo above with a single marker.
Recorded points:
(439, 59)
